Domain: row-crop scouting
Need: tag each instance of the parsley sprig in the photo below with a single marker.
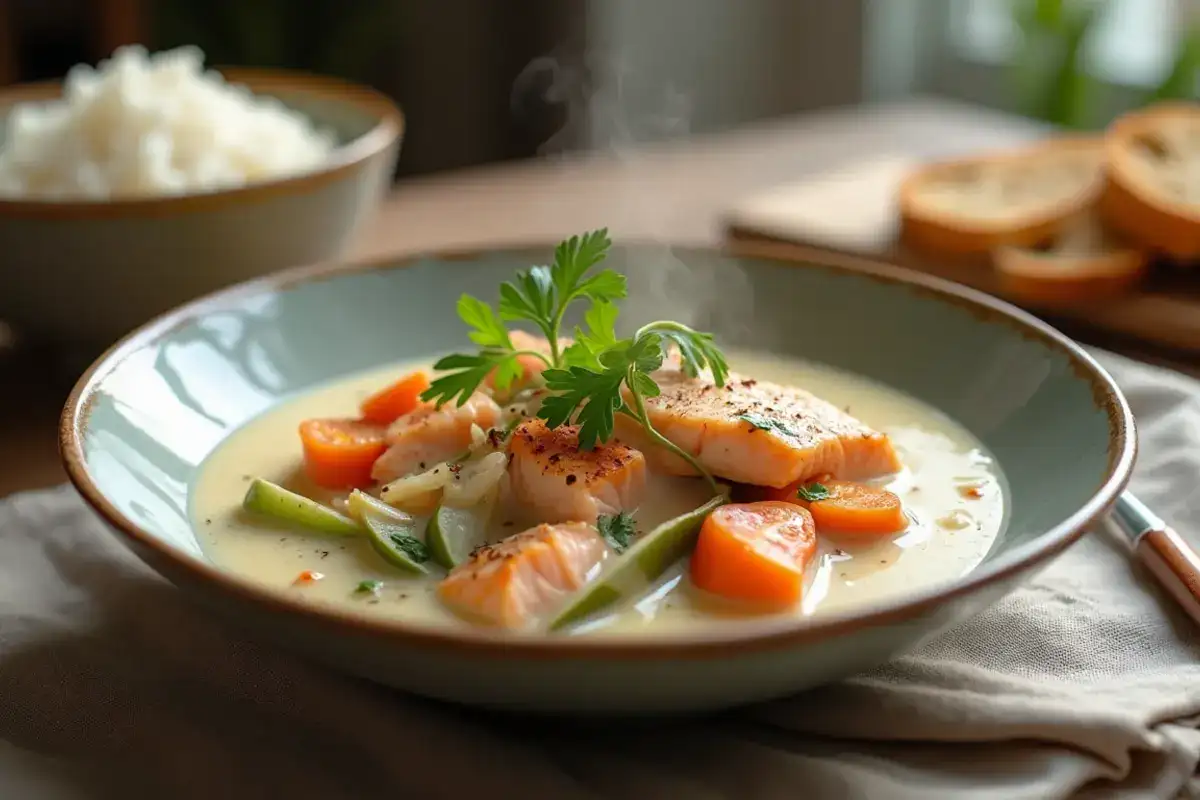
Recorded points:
(540, 295)
(596, 377)
(608, 376)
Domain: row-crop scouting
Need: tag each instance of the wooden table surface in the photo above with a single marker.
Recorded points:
(674, 193)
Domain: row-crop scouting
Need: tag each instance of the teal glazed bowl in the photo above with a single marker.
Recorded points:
(81, 274)
(146, 414)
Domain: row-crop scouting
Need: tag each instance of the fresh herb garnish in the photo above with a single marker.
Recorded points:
(616, 380)
(540, 295)
(411, 546)
(618, 530)
(368, 587)
(767, 424)
(465, 373)
(596, 377)
(813, 492)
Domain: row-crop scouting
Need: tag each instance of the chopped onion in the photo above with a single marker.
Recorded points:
(475, 480)
(478, 436)
(420, 492)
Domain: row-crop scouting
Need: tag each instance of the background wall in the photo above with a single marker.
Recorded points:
(483, 81)
(720, 62)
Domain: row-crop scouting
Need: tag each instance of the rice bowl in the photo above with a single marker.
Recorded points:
(147, 125)
(80, 271)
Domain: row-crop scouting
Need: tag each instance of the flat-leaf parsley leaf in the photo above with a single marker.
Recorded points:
(813, 492)
(411, 546)
(618, 530)
(768, 424)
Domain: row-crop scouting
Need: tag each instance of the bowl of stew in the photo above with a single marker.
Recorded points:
(627, 481)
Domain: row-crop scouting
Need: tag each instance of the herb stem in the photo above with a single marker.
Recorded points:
(555, 327)
(639, 413)
(549, 362)
(662, 325)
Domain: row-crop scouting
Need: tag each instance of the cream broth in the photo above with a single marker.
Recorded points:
(951, 489)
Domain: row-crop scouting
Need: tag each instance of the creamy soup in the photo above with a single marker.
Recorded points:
(952, 493)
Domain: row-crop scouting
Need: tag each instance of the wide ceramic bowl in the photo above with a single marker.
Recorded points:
(144, 417)
(85, 273)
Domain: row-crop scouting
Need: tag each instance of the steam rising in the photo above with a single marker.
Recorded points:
(603, 113)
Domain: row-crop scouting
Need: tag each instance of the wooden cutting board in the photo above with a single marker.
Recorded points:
(852, 210)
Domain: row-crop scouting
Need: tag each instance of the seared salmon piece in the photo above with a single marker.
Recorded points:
(428, 435)
(532, 366)
(519, 581)
(550, 475)
(757, 432)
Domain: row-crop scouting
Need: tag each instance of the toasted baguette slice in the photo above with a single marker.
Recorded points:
(1018, 197)
(1152, 188)
(1084, 263)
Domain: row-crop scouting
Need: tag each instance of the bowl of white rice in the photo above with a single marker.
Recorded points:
(148, 180)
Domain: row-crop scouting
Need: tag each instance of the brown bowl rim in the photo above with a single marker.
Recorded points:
(777, 635)
(387, 130)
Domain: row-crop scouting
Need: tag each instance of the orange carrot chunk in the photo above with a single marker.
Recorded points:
(339, 453)
(394, 401)
(853, 508)
(755, 553)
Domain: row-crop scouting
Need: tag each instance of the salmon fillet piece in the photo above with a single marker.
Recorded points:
(757, 432)
(428, 435)
(519, 581)
(551, 475)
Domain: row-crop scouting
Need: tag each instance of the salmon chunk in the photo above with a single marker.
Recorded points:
(519, 581)
(552, 477)
(757, 432)
(428, 435)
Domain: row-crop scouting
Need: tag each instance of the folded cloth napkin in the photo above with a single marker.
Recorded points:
(1086, 683)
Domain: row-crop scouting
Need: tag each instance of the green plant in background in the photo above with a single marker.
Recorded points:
(1050, 77)
(334, 38)
(1051, 81)
(1180, 82)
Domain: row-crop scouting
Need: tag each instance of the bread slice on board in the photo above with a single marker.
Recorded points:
(1018, 197)
(1083, 263)
(1152, 187)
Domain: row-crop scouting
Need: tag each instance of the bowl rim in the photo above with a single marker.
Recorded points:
(768, 635)
(387, 130)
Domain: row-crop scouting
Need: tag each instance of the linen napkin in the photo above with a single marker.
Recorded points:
(1086, 683)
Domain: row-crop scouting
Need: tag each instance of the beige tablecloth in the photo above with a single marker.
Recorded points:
(1085, 683)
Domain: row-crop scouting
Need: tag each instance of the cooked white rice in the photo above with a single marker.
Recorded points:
(148, 125)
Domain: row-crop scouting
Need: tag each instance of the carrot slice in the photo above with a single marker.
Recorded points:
(755, 552)
(392, 402)
(339, 453)
(853, 508)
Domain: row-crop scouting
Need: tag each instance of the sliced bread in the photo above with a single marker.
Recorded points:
(1152, 187)
(1083, 263)
(1015, 198)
